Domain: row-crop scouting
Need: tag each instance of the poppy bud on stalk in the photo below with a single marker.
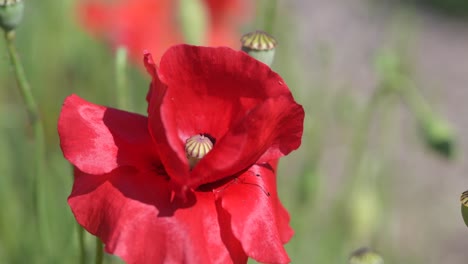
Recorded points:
(365, 256)
(260, 45)
(464, 206)
(11, 13)
(438, 135)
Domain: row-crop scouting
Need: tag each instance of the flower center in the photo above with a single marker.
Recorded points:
(196, 147)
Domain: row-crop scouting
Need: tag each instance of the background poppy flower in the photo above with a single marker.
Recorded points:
(135, 189)
(153, 24)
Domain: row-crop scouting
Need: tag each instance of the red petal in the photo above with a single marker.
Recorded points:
(269, 131)
(226, 94)
(257, 217)
(134, 216)
(175, 162)
(97, 139)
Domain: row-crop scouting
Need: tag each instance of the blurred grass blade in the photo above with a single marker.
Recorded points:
(122, 93)
(99, 252)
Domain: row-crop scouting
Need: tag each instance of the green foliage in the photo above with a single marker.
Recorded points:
(331, 215)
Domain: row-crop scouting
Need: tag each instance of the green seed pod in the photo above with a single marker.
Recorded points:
(11, 13)
(365, 256)
(260, 45)
(439, 136)
(464, 206)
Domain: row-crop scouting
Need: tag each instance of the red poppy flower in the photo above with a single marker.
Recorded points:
(152, 24)
(138, 192)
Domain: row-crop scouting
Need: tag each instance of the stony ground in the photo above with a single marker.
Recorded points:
(426, 211)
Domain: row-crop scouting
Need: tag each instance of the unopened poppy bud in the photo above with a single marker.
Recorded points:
(11, 13)
(365, 256)
(365, 211)
(196, 147)
(260, 45)
(439, 136)
(464, 206)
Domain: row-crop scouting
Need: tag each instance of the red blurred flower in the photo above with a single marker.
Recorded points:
(152, 24)
(135, 189)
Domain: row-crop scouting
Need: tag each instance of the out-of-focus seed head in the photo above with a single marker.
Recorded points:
(11, 13)
(464, 206)
(438, 136)
(365, 256)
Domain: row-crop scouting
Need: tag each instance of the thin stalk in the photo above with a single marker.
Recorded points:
(99, 252)
(353, 167)
(36, 122)
(81, 242)
(270, 15)
(416, 102)
(23, 84)
(123, 96)
(359, 141)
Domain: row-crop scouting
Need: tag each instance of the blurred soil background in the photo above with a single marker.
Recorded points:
(338, 42)
(406, 206)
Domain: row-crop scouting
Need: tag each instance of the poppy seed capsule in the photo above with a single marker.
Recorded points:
(196, 147)
(11, 13)
(464, 206)
(259, 45)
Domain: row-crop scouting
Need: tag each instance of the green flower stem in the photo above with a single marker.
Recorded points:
(99, 252)
(23, 85)
(359, 141)
(415, 101)
(436, 132)
(193, 21)
(123, 96)
(38, 128)
(81, 242)
(270, 15)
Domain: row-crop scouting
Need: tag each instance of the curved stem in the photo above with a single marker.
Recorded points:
(419, 106)
(38, 129)
(359, 140)
(23, 85)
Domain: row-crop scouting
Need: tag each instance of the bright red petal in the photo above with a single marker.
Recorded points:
(97, 139)
(132, 213)
(175, 162)
(257, 217)
(271, 130)
(232, 97)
